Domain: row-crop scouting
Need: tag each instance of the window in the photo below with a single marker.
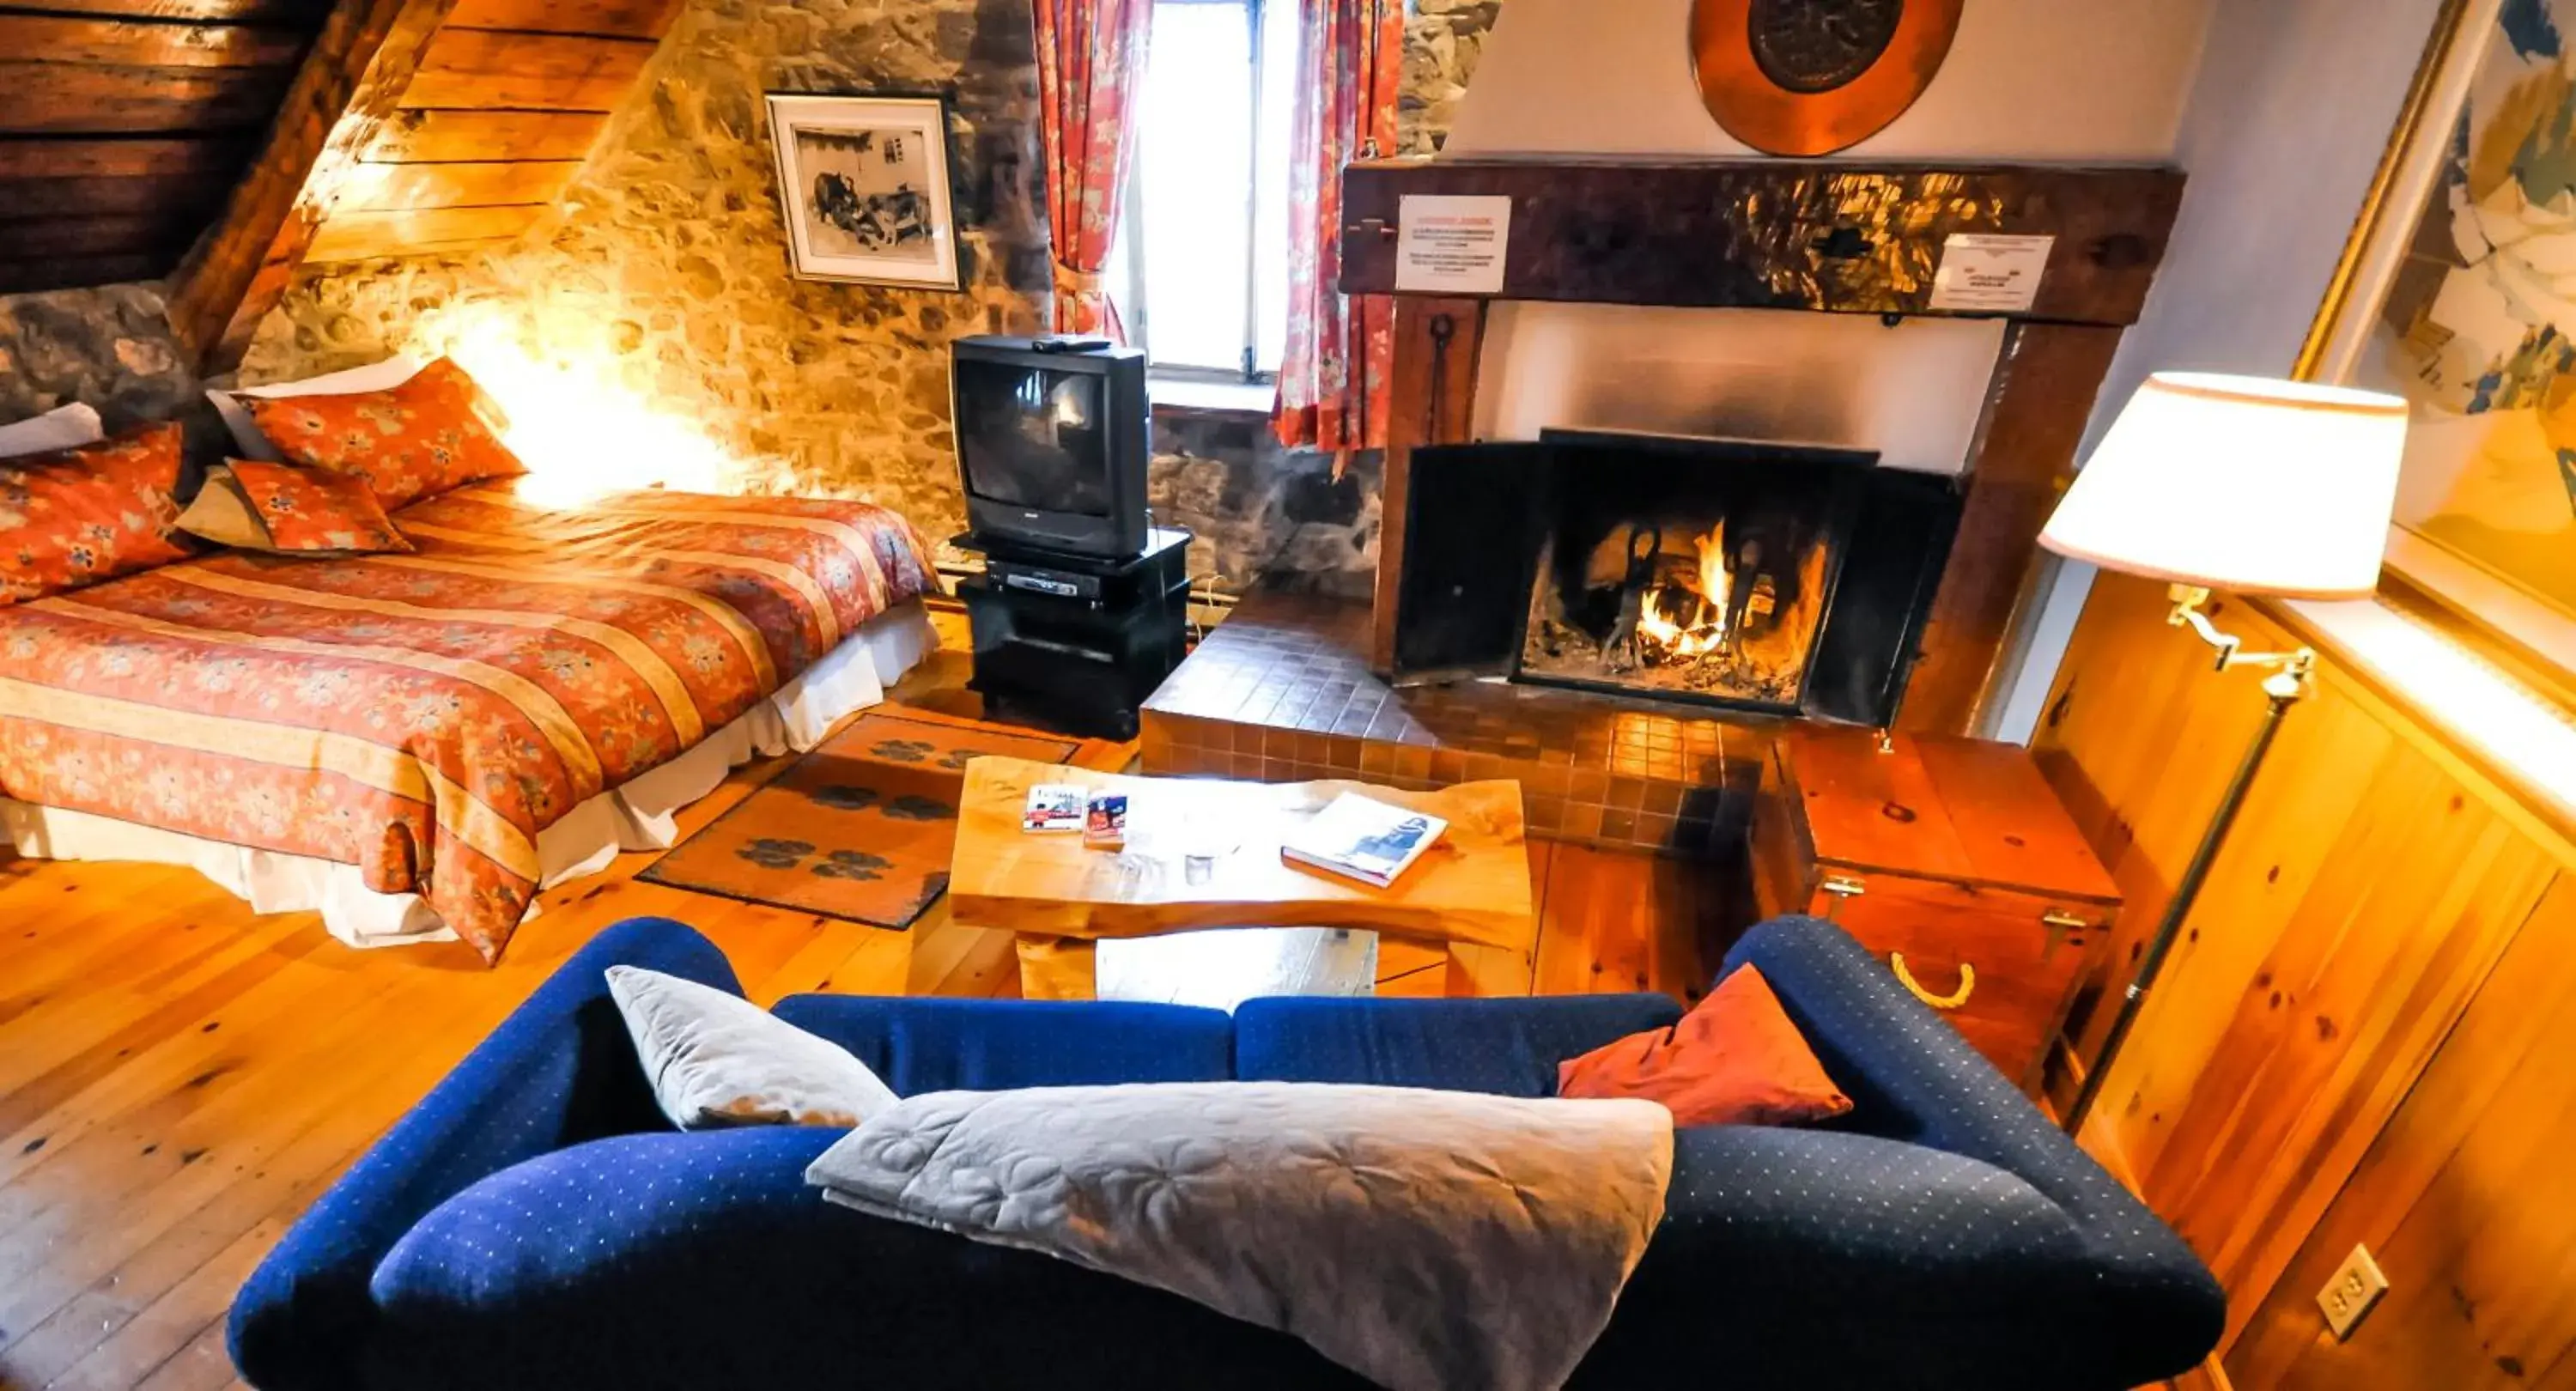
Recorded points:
(1205, 254)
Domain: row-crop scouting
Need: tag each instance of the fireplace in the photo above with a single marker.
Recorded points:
(1778, 578)
(1840, 237)
(1696, 571)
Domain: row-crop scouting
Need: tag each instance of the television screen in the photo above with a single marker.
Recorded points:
(1034, 438)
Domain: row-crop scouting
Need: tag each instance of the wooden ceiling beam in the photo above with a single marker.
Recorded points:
(123, 157)
(633, 19)
(489, 69)
(191, 198)
(72, 99)
(106, 234)
(300, 14)
(18, 274)
(483, 184)
(129, 43)
(358, 235)
(439, 137)
(351, 83)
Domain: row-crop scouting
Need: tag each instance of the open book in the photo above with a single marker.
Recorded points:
(1367, 840)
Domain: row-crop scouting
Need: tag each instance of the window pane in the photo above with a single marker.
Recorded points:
(1196, 151)
(1279, 59)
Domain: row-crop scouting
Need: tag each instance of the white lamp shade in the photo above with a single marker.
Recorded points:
(2242, 484)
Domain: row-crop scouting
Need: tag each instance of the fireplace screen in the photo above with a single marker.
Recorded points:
(1699, 573)
(1766, 576)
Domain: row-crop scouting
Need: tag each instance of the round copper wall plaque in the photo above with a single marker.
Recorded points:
(1809, 77)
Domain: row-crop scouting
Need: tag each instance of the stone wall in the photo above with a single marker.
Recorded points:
(661, 306)
(109, 347)
(1260, 509)
(1443, 40)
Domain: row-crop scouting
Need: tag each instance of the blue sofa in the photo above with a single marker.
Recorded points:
(535, 1222)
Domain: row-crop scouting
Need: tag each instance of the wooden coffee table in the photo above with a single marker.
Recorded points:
(1205, 854)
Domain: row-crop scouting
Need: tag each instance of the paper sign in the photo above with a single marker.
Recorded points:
(1452, 246)
(1989, 274)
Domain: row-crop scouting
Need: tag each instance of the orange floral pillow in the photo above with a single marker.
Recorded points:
(422, 438)
(310, 510)
(77, 516)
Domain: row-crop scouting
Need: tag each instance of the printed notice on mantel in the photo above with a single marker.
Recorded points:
(1452, 245)
(1983, 273)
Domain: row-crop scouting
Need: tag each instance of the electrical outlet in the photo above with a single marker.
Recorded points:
(2357, 1284)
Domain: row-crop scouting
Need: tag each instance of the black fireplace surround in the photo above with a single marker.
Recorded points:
(1781, 578)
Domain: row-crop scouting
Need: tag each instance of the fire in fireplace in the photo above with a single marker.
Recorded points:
(1766, 576)
(1676, 617)
(1693, 569)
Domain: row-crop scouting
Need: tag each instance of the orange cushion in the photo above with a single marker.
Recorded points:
(314, 510)
(422, 438)
(77, 516)
(1735, 1060)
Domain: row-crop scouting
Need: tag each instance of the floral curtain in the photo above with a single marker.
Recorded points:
(1091, 64)
(1341, 351)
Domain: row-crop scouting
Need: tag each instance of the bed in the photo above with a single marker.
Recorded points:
(416, 744)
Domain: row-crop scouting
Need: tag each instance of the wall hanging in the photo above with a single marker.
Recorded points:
(2458, 292)
(1809, 77)
(863, 182)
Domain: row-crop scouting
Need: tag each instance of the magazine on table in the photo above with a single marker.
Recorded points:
(1364, 839)
(1054, 807)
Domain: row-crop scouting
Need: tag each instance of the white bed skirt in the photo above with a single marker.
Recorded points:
(641, 815)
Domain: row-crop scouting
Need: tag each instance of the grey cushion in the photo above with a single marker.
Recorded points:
(715, 1059)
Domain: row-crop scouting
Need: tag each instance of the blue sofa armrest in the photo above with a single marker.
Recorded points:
(560, 1070)
(1913, 1078)
(1825, 1259)
(1827, 1218)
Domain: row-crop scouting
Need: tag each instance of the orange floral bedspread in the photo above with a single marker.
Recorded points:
(425, 716)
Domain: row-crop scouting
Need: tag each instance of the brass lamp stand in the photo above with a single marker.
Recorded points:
(2287, 685)
(2255, 487)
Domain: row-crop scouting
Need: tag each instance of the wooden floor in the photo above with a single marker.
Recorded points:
(179, 1078)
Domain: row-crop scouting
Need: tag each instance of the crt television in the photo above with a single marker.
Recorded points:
(1052, 443)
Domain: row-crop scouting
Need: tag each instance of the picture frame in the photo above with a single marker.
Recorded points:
(2436, 300)
(865, 189)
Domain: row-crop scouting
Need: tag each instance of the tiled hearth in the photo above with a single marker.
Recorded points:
(1281, 692)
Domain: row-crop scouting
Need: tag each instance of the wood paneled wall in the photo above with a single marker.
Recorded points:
(507, 102)
(124, 123)
(2466, 1200)
(2362, 1035)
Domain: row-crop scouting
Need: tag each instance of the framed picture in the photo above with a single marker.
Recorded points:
(2458, 292)
(864, 184)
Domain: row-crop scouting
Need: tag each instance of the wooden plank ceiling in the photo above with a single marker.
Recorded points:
(126, 125)
(508, 100)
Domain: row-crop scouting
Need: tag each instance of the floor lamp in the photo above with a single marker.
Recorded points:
(2244, 485)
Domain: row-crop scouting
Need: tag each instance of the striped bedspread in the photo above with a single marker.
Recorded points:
(425, 716)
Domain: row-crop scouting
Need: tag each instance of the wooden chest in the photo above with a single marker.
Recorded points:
(1953, 862)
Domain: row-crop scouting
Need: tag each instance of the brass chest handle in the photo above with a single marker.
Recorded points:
(1839, 887)
(1905, 977)
(2061, 924)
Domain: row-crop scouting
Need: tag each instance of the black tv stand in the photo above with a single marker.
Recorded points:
(1076, 643)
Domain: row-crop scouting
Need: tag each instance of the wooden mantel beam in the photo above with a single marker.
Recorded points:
(1838, 236)
(346, 90)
